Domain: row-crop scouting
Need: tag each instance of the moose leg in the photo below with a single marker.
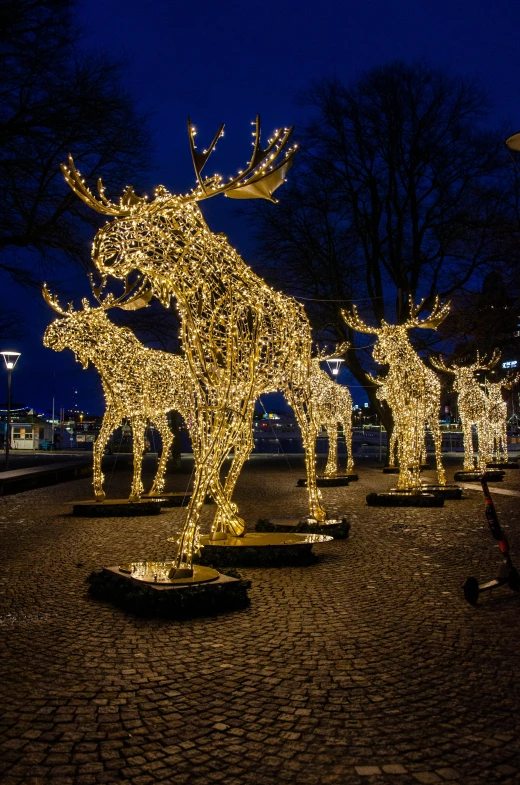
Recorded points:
(212, 440)
(138, 431)
(347, 431)
(331, 469)
(110, 422)
(469, 461)
(300, 401)
(224, 522)
(392, 447)
(161, 422)
(485, 441)
(437, 439)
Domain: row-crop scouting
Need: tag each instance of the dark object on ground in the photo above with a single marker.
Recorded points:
(20, 480)
(337, 528)
(171, 499)
(404, 499)
(330, 482)
(513, 464)
(228, 593)
(116, 508)
(261, 550)
(446, 491)
(508, 573)
(489, 476)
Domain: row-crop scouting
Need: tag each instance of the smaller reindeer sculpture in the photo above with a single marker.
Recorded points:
(139, 384)
(497, 418)
(474, 407)
(411, 389)
(333, 405)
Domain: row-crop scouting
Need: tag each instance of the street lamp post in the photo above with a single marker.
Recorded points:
(10, 359)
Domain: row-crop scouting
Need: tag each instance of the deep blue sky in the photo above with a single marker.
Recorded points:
(224, 62)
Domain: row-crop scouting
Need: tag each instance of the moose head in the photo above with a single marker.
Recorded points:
(393, 343)
(465, 374)
(157, 236)
(87, 331)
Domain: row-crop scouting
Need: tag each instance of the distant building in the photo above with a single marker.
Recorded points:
(28, 428)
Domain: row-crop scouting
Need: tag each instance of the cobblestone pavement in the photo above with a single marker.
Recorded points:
(367, 667)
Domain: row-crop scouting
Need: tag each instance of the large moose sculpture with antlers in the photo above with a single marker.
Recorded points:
(139, 384)
(240, 337)
(498, 416)
(474, 407)
(411, 389)
(333, 404)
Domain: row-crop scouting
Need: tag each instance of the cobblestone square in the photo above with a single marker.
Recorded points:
(367, 667)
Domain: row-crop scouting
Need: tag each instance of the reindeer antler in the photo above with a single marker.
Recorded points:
(262, 176)
(322, 354)
(437, 315)
(355, 323)
(52, 300)
(511, 381)
(486, 365)
(439, 363)
(127, 203)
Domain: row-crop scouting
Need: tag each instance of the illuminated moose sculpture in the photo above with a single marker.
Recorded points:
(411, 389)
(474, 407)
(240, 337)
(497, 442)
(333, 405)
(139, 384)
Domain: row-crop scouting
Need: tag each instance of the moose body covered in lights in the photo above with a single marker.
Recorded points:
(474, 408)
(333, 405)
(139, 384)
(498, 416)
(239, 336)
(411, 389)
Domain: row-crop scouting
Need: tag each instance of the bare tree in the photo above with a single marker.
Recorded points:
(398, 194)
(56, 98)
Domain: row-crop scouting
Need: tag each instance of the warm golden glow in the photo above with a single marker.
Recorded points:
(140, 384)
(333, 406)
(411, 390)
(474, 408)
(497, 441)
(239, 336)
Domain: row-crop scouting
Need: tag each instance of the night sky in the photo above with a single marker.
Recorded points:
(226, 62)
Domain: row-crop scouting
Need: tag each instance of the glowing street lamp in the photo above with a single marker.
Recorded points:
(10, 359)
(334, 364)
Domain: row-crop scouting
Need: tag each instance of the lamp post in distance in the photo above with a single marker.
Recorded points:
(10, 360)
(334, 365)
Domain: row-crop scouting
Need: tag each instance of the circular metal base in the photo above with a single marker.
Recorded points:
(447, 491)
(170, 499)
(158, 573)
(330, 482)
(257, 549)
(404, 499)
(267, 540)
(337, 528)
(490, 476)
(117, 508)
